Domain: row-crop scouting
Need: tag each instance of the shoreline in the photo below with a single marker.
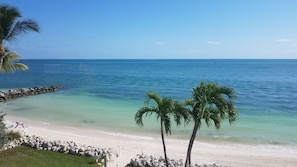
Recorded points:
(127, 146)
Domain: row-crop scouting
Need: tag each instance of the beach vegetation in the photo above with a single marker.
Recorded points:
(3, 134)
(11, 26)
(31, 157)
(211, 103)
(13, 135)
(165, 109)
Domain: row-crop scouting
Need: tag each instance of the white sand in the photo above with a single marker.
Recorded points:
(128, 146)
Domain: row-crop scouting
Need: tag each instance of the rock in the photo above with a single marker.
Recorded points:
(151, 161)
(22, 92)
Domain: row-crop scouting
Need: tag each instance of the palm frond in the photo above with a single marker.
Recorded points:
(8, 15)
(22, 27)
(153, 96)
(181, 113)
(232, 113)
(228, 92)
(144, 111)
(206, 117)
(216, 120)
(167, 105)
(10, 64)
(190, 102)
(167, 124)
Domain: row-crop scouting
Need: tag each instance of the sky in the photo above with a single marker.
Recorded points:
(158, 29)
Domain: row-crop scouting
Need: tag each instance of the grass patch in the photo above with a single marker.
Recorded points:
(24, 156)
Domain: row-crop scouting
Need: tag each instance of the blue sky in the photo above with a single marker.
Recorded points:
(154, 29)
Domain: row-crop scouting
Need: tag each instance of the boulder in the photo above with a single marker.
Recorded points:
(22, 92)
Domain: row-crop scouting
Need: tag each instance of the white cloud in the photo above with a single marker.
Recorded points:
(213, 42)
(285, 40)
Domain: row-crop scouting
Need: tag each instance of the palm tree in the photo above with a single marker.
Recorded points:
(211, 103)
(11, 27)
(165, 108)
(10, 63)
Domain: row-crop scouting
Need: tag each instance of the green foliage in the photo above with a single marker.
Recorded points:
(211, 103)
(10, 63)
(12, 26)
(11, 135)
(28, 157)
(3, 135)
(164, 109)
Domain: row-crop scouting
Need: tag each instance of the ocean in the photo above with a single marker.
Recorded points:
(106, 94)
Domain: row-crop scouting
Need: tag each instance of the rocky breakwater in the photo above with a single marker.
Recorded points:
(152, 161)
(22, 92)
(67, 147)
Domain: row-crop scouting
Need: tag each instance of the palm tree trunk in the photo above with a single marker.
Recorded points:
(164, 146)
(190, 146)
(2, 54)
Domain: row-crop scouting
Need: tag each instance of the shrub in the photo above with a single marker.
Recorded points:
(11, 135)
(3, 135)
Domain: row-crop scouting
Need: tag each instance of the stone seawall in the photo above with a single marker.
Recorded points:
(22, 92)
(70, 147)
(67, 147)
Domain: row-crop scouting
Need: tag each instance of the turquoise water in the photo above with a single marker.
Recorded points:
(105, 94)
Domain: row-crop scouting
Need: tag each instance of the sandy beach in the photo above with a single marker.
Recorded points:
(128, 146)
